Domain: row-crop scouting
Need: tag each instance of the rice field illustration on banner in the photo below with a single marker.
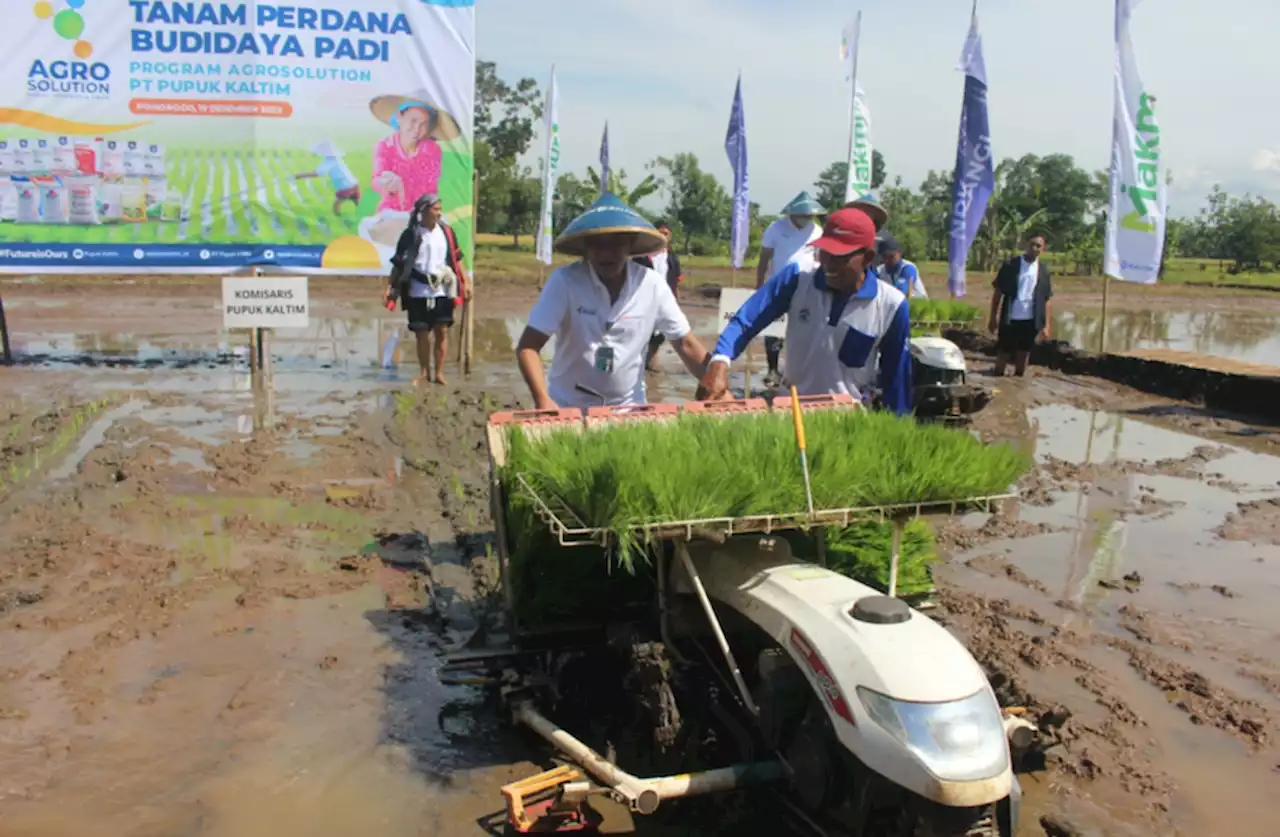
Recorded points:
(155, 136)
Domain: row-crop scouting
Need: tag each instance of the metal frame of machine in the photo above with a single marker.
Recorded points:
(681, 573)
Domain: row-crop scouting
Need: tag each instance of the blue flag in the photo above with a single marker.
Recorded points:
(975, 177)
(604, 160)
(735, 145)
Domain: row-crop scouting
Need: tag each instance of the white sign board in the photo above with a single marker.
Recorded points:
(731, 299)
(265, 302)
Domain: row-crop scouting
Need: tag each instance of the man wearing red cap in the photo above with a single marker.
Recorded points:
(847, 332)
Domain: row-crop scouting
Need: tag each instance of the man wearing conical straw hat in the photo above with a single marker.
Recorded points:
(602, 310)
(406, 164)
(784, 240)
(847, 332)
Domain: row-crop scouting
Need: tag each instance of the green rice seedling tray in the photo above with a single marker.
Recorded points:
(568, 528)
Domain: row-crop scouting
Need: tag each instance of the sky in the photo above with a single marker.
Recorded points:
(662, 72)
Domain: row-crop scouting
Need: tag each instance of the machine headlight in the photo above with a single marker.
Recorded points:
(958, 741)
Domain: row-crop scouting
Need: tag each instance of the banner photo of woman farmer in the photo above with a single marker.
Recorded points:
(187, 137)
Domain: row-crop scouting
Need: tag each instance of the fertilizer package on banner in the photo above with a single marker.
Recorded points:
(152, 135)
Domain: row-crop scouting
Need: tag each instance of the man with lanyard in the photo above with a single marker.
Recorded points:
(602, 310)
(897, 271)
(783, 240)
(842, 323)
(667, 264)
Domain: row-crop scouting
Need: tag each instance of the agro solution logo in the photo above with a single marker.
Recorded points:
(75, 78)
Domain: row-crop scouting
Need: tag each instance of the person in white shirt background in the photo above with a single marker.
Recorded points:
(429, 279)
(1021, 306)
(783, 240)
(603, 310)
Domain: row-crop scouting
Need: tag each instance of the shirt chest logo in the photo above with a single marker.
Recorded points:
(803, 315)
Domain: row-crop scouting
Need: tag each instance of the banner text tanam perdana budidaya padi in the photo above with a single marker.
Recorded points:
(151, 13)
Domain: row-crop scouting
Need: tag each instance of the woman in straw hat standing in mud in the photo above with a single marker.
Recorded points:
(406, 164)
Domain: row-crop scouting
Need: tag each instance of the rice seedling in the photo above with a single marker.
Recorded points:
(864, 551)
(623, 477)
(936, 311)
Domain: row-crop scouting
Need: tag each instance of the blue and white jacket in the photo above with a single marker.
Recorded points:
(905, 276)
(834, 340)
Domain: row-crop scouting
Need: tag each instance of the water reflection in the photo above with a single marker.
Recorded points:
(1238, 335)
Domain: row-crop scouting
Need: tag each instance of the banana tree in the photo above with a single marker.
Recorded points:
(618, 185)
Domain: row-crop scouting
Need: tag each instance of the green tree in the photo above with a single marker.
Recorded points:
(573, 196)
(697, 202)
(505, 113)
(831, 181)
(504, 123)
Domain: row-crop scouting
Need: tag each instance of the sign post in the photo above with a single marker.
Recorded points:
(261, 303)
(4, 336)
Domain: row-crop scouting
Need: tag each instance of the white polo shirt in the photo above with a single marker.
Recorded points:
(574, 307)
(785, 240)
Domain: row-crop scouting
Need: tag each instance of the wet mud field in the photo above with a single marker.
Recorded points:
(223, 606)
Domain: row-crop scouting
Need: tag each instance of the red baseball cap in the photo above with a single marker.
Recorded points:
(847, 231)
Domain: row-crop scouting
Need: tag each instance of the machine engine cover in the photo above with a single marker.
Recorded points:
(937, 353)
(808, 611)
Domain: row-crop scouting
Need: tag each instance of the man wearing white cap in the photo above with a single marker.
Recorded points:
(603, 310)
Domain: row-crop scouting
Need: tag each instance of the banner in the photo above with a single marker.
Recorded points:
(974, 179)
(735, 145)
(860, 163)
(1139, 192)
(179, 137)
(550, 165)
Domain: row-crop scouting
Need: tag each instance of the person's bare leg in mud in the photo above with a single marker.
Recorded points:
(440, 333)
(423, 340)
(1002, 360)
(1020, 361)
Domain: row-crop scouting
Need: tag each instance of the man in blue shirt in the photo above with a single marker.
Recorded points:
(897, 271)
(847, 332)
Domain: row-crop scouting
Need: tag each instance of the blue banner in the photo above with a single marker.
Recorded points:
(974, 179)
(604, 160)
(735, 145)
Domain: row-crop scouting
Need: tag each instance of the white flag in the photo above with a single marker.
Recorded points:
(550, 164)
(1139, 194)
(858, 181)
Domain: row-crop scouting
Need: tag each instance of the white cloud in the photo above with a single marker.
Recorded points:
(1267, 161)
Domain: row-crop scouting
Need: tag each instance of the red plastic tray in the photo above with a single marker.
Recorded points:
(731, 407)
(560, 415)
(634, 412)
(817, 402)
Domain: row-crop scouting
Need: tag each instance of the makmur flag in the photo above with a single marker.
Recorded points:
(1139, 192)
(975, 177)
(735, 145)
(550, 165)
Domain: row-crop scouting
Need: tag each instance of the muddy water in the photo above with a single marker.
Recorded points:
(224, 603)
(1171, 675)
(1239, 335)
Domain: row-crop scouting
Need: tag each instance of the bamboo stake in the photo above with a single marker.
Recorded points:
(468, 310)
(1102, 332)
(4, 337)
